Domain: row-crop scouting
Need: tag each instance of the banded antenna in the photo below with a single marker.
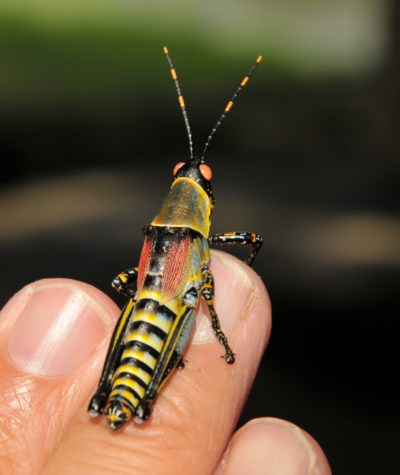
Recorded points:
(223, 115)
(181, 101)
(229, 106)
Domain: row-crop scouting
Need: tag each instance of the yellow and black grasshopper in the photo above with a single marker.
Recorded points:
(164, 290)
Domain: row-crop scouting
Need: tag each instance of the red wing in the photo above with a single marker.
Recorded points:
(177, 268)
(144, 261)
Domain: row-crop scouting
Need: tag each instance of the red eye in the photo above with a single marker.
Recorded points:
(177, 167)
(205, 170)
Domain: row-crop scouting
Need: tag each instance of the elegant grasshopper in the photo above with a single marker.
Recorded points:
(164, 290)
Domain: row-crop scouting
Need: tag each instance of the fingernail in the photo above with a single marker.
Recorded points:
(57, 330)
(272, 446)
(233, 293)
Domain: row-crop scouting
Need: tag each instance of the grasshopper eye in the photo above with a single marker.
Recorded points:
(205, 170)
(177, 167)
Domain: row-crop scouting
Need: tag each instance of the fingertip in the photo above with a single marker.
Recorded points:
(227, 266)
(253, 328)
(240, 296)
(273, 446)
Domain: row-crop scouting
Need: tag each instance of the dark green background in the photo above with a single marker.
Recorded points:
(90, 130)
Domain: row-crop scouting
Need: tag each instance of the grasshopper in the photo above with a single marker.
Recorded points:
(165, 289)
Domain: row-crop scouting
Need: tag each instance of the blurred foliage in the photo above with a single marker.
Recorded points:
(93, 47)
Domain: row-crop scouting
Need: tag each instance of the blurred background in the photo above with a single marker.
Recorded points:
(90, 130)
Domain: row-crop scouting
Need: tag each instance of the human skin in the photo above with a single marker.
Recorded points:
(54, 335)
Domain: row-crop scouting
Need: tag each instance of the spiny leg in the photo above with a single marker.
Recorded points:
(125, 282)
(247, 239)
(208, 294)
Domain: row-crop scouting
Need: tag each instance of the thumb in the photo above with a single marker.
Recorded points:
(49, 334)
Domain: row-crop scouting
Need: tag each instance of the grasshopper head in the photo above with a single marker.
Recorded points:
(198, 171)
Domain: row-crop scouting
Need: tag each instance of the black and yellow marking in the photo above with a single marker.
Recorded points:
(245, 239)
(126, 281)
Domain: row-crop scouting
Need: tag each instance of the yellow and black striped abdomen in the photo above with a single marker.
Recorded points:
(148, 331)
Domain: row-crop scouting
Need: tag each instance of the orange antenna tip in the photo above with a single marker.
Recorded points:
(259, 59)
(165, 50)
(229, 106)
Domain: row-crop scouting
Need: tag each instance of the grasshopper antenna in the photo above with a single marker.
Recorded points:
(229, 106)
(181, 101)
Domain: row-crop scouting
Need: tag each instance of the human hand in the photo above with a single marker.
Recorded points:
(53, 338)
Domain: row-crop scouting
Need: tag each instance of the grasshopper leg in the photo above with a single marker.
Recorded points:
(243, 238)
(208, 294)
(126, 281)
